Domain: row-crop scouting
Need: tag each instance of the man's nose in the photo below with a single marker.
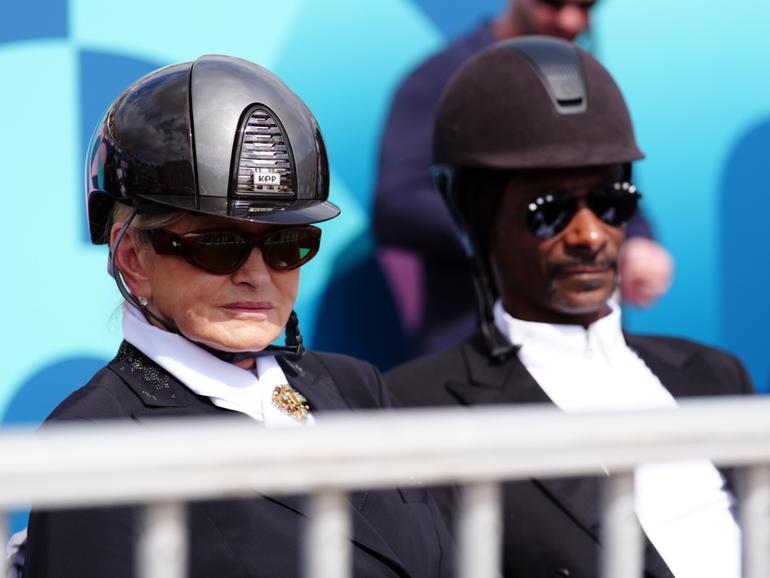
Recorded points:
(254, 270)
(572, 19)
(586, 233)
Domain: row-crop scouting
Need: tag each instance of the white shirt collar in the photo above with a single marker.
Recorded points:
(603, 337)
(226, 384)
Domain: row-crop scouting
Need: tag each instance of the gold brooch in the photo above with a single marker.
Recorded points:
(291, 402)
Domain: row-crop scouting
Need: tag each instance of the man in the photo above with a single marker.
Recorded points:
(533, 148)
(409, 215)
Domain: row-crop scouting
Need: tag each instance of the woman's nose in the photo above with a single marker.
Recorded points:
(254, 270)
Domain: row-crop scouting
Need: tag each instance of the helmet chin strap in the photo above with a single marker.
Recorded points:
(498, 347)
(294, 347)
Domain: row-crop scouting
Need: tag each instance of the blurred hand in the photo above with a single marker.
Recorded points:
(646, 270)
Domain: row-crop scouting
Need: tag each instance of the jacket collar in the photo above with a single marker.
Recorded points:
(155, 387)
(494, 382)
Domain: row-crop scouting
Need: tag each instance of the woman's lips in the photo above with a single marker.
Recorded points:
(249, 307)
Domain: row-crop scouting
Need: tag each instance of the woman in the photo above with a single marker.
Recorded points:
(205, 178)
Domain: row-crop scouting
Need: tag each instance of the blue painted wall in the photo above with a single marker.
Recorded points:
(695, 75)
(744, 205)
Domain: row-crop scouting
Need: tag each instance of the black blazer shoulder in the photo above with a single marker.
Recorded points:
(724, 373)
(422, 382)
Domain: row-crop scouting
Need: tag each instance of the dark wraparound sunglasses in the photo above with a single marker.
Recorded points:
(224, 251)
(550, 213)
(559, 4)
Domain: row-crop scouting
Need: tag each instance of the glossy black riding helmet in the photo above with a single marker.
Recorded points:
(219, 136)
(533, 102)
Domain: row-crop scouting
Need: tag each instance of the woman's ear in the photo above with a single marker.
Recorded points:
(131, 261)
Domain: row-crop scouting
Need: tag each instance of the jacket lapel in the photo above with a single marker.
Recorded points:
(313, 381)
(322, 395)
(160, 393)
(579, 498)
(489, 382)
(510, 383)
(315, 385)
(671, 367)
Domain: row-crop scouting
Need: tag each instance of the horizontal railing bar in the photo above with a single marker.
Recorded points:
(190, 459)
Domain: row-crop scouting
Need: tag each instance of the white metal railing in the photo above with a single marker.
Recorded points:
(77, 465)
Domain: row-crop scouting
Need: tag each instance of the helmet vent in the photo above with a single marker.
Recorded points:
(265, 164)
(559, 68)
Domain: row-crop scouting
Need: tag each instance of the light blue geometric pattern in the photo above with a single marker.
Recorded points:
(58, 300)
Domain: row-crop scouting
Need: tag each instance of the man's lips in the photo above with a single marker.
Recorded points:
(584, 270)
(601, 267)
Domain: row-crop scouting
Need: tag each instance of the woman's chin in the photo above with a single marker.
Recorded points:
(236, 345)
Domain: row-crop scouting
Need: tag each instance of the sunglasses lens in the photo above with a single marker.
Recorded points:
(557, 4)
(290, 248)
(220, 252)
(549, 214)
(615, 204)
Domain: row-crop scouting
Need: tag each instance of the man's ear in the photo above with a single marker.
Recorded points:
(130, 260)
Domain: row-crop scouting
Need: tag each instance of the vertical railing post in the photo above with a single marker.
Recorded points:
(162, 541)
(754, 513)
(5, 566)
(479, 531)
(621, 534)
(327, 551)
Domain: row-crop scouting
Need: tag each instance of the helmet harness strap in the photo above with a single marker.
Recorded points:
(294, 347)
(499, 348)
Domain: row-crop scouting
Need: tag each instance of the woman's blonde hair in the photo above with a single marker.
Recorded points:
(142, 223)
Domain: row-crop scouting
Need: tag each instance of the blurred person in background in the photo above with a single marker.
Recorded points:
(533, 148)
(205, 178)
(408, 212)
